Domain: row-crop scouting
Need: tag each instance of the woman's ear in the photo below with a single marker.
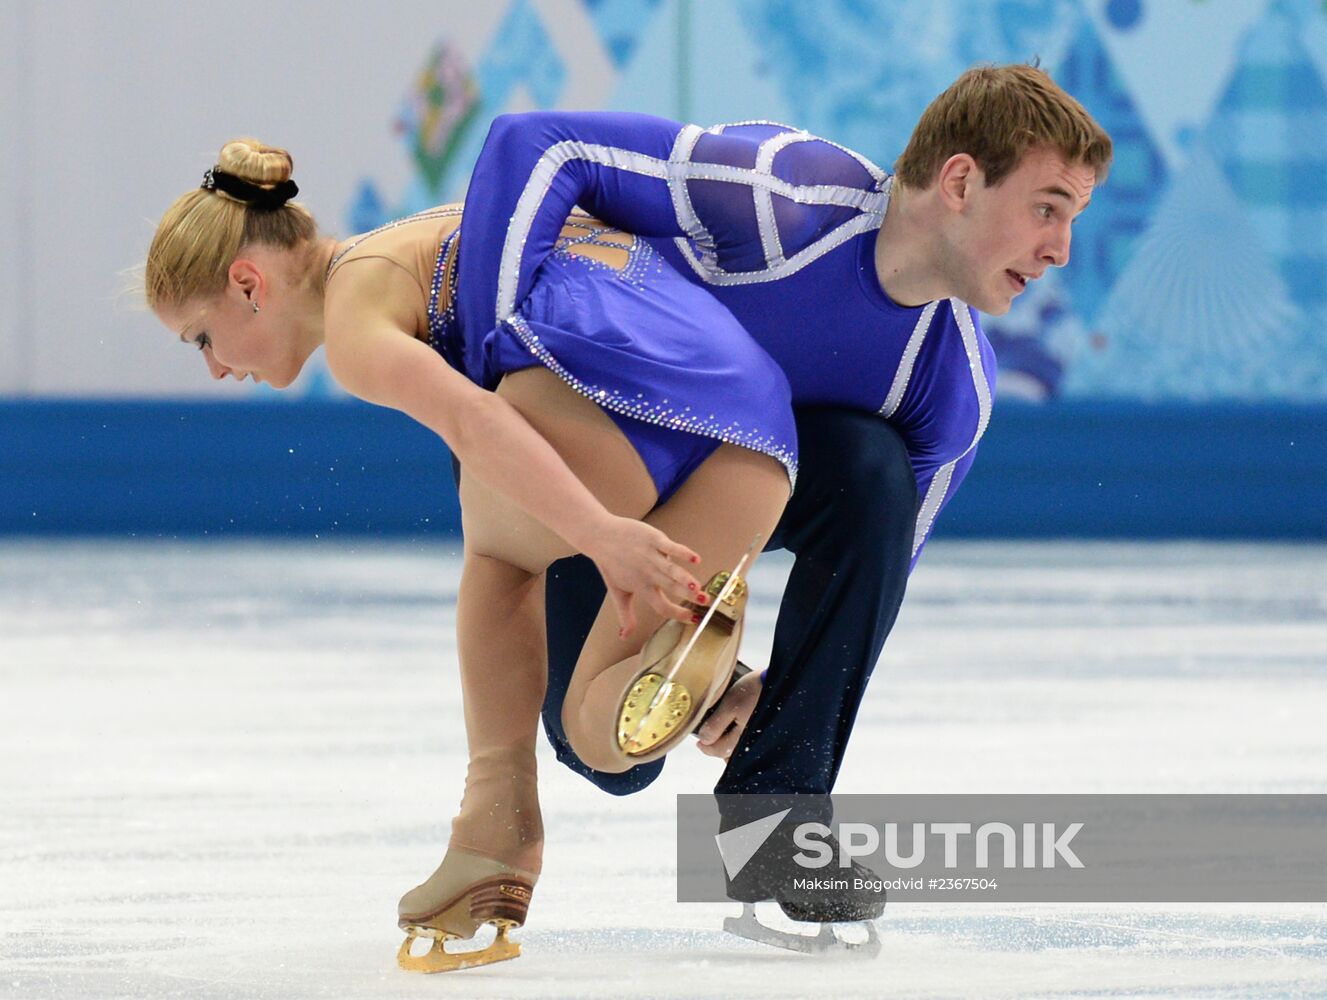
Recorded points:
(245, 277)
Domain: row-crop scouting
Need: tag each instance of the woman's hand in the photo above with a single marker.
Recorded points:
(638, 560)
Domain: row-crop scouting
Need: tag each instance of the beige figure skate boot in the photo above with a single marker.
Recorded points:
(489, 872)
(685, 670)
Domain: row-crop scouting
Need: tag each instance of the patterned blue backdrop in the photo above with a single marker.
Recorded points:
(1199, 272)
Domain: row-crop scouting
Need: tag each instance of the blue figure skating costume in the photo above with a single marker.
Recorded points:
(780, 227)
(673, 368)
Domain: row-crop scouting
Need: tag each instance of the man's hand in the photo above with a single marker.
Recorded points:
(724, 727)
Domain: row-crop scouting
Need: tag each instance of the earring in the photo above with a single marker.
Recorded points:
(255, 307)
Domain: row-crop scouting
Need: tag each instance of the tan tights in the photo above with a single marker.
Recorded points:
(733, 496)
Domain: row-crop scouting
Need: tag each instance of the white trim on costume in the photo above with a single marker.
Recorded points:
(541, 178)
(769, 229)
(791, 265)
(682, 207)
(904, 374)
(969, 331)
(940, 483)
(931, 504)
(676, 171)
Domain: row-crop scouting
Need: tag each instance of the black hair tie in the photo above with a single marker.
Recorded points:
(253, 195)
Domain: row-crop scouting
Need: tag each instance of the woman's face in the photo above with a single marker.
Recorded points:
(234, 340)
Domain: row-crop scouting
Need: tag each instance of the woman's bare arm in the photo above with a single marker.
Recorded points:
(372, 354)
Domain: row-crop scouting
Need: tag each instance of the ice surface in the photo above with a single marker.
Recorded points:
(221, 764)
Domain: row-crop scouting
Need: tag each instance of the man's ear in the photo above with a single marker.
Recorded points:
(958, 175)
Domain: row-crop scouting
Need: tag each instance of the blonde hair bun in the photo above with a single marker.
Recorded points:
(252, 161)
(203, 231)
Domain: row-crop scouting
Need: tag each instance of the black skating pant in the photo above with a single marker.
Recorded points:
(850, 526)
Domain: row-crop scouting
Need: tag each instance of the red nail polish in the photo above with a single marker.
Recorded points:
(695, 619)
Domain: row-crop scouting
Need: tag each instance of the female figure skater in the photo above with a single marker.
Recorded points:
(610, 408)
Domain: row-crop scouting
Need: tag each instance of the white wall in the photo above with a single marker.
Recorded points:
(12, 260)
(111, 111)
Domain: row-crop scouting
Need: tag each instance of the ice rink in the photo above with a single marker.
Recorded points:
(221, 764)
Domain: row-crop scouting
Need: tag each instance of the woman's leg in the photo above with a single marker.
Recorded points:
(500, 611)
(501, 647)
(503, 659)
(573, 593)
(734, 496)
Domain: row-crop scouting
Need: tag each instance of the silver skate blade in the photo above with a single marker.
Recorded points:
(826, 942)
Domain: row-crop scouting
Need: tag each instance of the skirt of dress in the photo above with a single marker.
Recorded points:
(670, 364)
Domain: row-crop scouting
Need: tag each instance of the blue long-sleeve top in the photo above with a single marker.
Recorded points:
(779, 225)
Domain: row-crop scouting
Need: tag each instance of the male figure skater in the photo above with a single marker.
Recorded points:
(864, 287)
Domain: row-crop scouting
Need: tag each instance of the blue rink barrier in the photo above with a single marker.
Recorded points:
(167, 469)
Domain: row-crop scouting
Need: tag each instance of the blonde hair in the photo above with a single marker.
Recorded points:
(202, 232)
(995, 114)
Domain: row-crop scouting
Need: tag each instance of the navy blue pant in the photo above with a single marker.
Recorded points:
(850, 527)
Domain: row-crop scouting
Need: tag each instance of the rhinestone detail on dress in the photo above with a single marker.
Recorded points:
(642, 256)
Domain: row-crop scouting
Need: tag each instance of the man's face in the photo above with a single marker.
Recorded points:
(1008, 234)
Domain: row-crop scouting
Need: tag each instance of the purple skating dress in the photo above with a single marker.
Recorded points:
(665, 360)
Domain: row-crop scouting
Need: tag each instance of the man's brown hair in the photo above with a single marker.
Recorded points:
(995, 114)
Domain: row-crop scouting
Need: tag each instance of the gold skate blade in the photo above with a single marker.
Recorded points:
(653, 711)
(439, 959)
(725, 589)
(722, 593)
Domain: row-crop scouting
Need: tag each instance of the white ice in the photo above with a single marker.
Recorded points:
(222, 763)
